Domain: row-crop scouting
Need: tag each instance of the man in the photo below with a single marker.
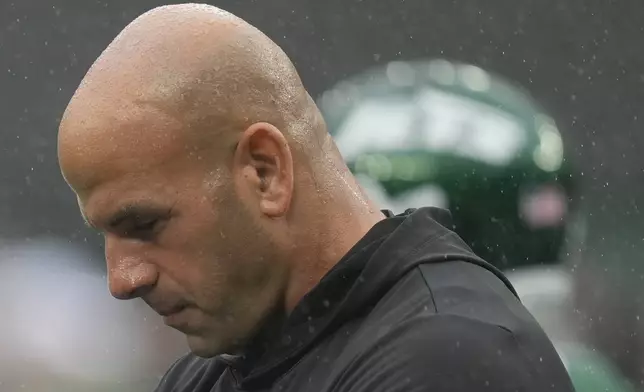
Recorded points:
(193, 146)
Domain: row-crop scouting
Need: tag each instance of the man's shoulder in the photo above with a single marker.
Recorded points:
(190, 373)
(442, 318)
(452, 352)
(451, 326)
(453, 288)
(473, 291)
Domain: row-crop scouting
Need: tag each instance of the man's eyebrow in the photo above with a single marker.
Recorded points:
(131, 210)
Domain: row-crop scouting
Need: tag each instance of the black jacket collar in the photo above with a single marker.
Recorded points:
(390, 249)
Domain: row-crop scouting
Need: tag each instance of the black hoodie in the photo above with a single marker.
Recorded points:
(409, 308)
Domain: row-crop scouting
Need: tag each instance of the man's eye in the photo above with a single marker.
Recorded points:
(145, 225)
(141, 228)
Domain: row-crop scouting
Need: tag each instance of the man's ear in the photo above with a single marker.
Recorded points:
(263, 167)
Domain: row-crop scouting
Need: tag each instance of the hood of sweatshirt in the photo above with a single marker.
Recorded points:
(391, 249)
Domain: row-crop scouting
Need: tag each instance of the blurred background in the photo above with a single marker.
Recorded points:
(544, 180)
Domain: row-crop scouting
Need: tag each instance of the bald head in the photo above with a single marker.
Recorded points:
(199, 57)
(197, 66)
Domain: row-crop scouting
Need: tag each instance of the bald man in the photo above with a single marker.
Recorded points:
(193, 146)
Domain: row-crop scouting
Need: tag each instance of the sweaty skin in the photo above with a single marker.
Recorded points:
(192, 145)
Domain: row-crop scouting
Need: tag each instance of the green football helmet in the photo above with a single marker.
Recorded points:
(452, 135)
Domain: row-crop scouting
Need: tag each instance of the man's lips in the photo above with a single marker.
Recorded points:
(173, 314)
(178, 320)
(169, 311)
(165, 309)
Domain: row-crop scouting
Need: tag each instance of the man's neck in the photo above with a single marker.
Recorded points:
(246, 357)
(336, 233)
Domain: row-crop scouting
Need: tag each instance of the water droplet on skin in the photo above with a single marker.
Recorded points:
(133, 271)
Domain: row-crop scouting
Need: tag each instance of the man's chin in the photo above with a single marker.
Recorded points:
(207, 347)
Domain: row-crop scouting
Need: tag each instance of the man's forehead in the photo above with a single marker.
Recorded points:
(100, 143)
(96, 113)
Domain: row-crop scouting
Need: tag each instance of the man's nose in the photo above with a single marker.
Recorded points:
(129, 275)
